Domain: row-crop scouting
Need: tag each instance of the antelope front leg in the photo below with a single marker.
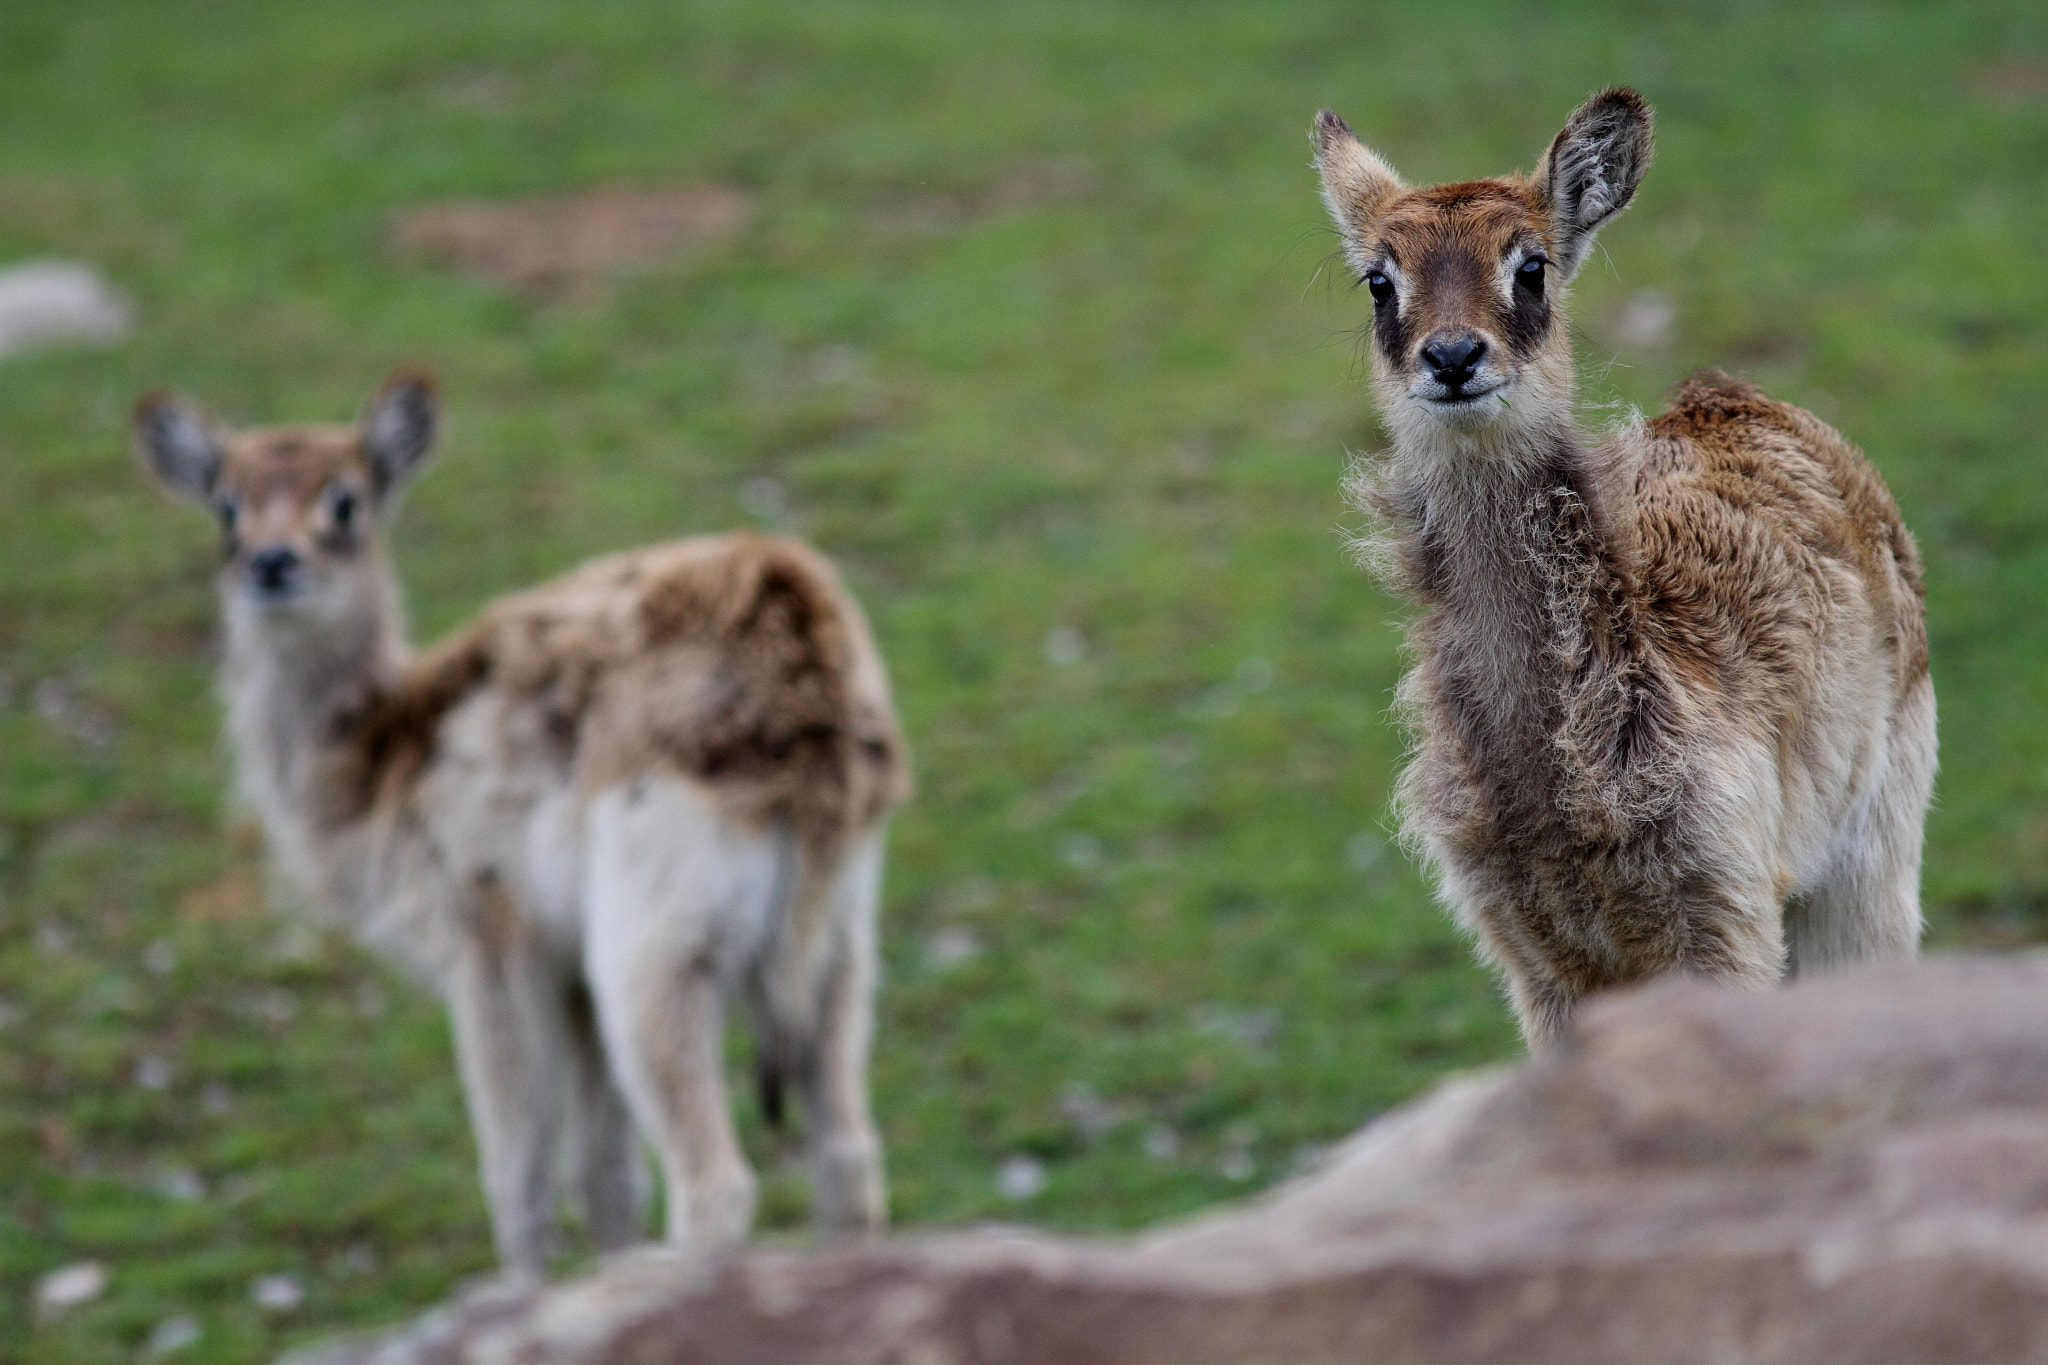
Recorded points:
(507, 1049)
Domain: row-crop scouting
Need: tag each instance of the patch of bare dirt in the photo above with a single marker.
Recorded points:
(2017, 81)
(1046, 183)
(570, 242)
(236, 894)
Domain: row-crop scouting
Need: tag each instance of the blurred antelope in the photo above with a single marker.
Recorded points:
(1671, 702)
(592, 817)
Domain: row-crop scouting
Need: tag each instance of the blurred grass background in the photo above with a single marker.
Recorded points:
(1030, 327)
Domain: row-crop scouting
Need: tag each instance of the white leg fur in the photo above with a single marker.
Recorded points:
(849, 1189)
(509, 1044)
(677, 896)
(1867, 906)
(605, 1168)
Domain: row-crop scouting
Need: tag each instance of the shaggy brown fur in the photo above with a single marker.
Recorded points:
(594, 816)
(781, 732)
(1671, 694)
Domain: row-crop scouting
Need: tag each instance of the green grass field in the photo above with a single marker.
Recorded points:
(1031, 328)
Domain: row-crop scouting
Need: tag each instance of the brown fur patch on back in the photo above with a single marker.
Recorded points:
(1778, 462)
(737, 660)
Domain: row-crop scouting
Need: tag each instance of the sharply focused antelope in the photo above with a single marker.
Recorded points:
(1671, 702)
(593, 817)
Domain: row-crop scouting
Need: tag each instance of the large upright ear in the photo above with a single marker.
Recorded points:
(175, 443)
(1357, 184)
(398, 427)
(1592, 169)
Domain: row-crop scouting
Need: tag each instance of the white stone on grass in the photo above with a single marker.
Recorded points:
(1081, 851)
(279, 1293)
(1020, 1178)
(154, 1073)
(1065, 646)
(69, 1286)
(51, 303)
(179, 1182)
(1162, 1143)
(949, 947)
(172, 1334)
(1091, 1115)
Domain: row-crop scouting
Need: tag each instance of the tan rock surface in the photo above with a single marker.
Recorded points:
(1849, 1170)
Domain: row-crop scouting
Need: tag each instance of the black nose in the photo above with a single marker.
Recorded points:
(272, 569)
(1453, 358)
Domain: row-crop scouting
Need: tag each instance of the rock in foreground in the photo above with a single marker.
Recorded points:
(1849, 1170)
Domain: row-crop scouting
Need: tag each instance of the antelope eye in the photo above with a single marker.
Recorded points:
(1530, 274)
(343, 508)
(1382, 288)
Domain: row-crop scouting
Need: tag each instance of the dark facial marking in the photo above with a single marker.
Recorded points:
(229, 514)
(1390, 333)
(344, 516)
(1389, 328)
(1528, 322)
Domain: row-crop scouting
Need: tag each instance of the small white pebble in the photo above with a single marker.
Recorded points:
(1161, 1142)
(279, 1293)
(172, 1334)
(1081, 851)
(1091, 1115)
(179, 1182)
(1020, 1178)
(1065, 646)
(951, 946)
(50, 302)
(1255, 675)
(161, 959)
(1236, 1164)
(154, 1073)
(71, 1285)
